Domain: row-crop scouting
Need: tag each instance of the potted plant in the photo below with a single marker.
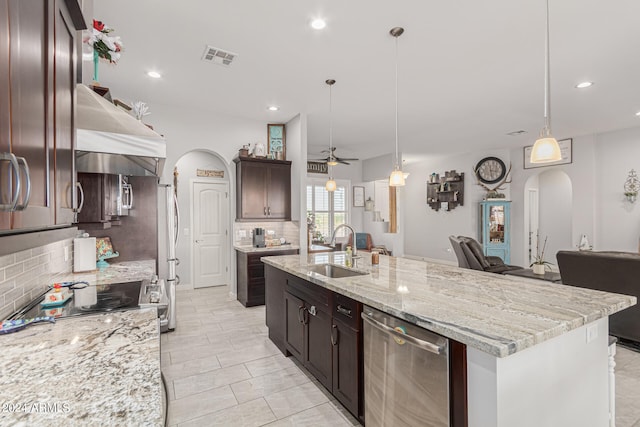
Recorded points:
(539, 264)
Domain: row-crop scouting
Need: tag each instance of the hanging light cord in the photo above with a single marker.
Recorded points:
(547, 82)
(397, 160)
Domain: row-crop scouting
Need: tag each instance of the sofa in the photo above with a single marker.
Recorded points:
(617, 272)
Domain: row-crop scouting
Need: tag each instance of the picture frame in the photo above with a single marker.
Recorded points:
(358, 197)
(566, 149)
(276, 141)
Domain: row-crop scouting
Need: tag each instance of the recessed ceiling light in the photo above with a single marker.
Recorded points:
(318, 24)
(154, 74)
(638, 114)
(584, 85)
(273, 108)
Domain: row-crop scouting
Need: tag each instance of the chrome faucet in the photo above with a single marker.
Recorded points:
(353, 233)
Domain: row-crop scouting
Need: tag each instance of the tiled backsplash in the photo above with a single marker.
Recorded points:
(24, 275)
(242, 231)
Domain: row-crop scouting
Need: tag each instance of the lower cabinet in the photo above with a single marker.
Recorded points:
(320, 328)
(250, 275)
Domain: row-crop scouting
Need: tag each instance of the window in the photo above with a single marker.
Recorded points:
(328, 210)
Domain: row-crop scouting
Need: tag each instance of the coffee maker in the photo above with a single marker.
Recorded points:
(258, 238)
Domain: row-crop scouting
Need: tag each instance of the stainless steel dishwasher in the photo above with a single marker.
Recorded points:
(406, 373)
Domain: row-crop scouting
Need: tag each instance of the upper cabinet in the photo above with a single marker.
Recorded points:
(263, 189)
(37, 83)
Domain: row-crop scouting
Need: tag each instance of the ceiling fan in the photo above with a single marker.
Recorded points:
(332, 159)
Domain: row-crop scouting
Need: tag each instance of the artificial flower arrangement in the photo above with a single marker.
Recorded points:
(539, 264)
(106, 46)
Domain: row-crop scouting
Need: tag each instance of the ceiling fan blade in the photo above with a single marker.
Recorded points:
(346, 158)
(342, 161)
(319, 160)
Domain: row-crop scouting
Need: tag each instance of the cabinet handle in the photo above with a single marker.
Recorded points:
(79, 208)
(269, 210)
(265, 211)
(299, 309)
(23, 206)
(305, 316)
(334, 339)
(340, 309)
(9, 207)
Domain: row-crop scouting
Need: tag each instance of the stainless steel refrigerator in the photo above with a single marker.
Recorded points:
(171, 279)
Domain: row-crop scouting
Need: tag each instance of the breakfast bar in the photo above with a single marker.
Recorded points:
(536, 351)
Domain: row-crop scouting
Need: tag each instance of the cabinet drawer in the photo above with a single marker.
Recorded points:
(313, 294)
(347, 310)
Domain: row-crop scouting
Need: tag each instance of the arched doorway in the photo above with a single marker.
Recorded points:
(548, 205)
(204, 243)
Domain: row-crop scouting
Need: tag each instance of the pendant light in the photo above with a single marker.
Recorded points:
(546, 148)
(396, 179)
(331, 184)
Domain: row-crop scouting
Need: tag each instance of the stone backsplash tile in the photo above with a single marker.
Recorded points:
(243, 231)
(26, 274)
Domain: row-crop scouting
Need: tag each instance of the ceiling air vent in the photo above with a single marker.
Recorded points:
(218, 56)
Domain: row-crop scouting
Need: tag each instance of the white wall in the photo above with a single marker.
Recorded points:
(555, 205)
(427, 231)
(598, 207)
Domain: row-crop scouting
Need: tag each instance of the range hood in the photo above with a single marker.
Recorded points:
(108, 140)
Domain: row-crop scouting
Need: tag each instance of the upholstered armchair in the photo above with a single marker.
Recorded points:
(470, 255)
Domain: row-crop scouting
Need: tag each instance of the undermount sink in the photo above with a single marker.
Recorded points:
(334, 271)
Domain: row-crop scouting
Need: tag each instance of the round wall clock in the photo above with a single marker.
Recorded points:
(490, 170)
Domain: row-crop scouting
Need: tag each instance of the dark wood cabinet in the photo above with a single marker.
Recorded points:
(323, 331)
(37, 87)
(251, 276)
(294, 331)
(346, 341)
(263, 189)
(275, 312)
(100, 194)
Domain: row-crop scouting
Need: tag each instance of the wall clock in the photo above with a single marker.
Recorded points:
(490, 170)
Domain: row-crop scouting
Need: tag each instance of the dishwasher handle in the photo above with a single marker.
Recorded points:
(425, 345)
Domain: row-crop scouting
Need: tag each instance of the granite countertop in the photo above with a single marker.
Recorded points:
(89, 370)
(497, 314)
(117, 272)
(251, 249)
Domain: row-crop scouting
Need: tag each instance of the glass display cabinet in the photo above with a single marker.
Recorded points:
(495, 234)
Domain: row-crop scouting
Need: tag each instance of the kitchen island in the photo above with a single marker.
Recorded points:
(536, 352)
(84, 371)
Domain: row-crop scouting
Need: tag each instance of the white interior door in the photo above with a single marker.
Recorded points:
(533, 223)
(210, 233)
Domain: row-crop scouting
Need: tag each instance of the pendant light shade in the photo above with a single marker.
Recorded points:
(546, 148)
(396, 179)
(330, 184)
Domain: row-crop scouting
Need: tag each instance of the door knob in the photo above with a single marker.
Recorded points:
(199, 241)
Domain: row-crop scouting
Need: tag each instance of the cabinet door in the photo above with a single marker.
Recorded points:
(65, 59)
(318, 344)
(5, 106)
(279, 192)
(346, 366)
(252, 194)
(294, 326)
(31, 33)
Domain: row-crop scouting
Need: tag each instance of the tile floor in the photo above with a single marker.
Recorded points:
(222, 370)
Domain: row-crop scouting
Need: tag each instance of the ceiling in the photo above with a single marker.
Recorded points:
(469, 72)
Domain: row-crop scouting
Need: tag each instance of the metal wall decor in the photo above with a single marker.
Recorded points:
(632, 186)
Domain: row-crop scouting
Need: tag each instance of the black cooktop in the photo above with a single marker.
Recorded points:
(89, 300)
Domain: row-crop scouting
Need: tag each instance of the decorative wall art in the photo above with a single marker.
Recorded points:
(358, 197)
(277, 141)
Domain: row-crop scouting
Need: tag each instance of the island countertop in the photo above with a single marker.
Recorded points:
(87, 370)
(496, 314)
